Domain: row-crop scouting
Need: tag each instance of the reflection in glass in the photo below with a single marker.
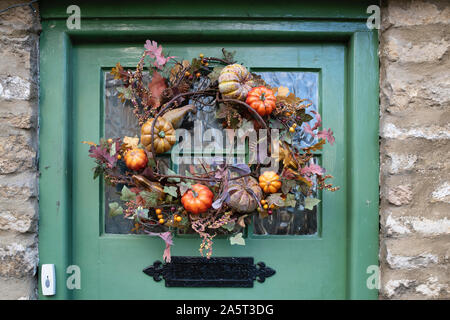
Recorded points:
(289, 221)
(298, 220)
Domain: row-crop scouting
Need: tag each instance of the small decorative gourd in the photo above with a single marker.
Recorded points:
(163, 134)
(150, 186)
(176, 116)
(262, 100)
(270, 182)
(135, 159)
(235, 82)
(245, 194)
(197, 199)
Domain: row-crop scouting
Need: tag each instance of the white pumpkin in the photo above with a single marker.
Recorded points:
(235, 81)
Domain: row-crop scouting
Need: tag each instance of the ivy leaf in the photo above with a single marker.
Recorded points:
(141, 213)
(125, 93)
(287, 185)
(290, 200)
(98, 171)
(171, 172)
(275, 124)
(229, 226)
(275, 198)
(172, 190)
(150, 198)
(237, 239)
(127, 194)
(310, 203)
(214, 75)
(115, 209)
(184, 186)
(304, 117)
(188, 174)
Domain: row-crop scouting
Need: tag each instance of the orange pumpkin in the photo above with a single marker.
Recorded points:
(270, 182)
(164, 135)
(198, 199)
(262, 100)
(136, 159)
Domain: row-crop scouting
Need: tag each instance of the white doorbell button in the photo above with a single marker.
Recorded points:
(48, 280)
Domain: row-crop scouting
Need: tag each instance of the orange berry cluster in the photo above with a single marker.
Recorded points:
(159, 215)
(266, 207)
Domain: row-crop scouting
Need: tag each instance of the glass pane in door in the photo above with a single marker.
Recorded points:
(120, 121)
(298, 220)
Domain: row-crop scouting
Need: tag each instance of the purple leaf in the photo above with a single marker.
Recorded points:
(240, 168)
(224, 197)
(102, 155)
(148, 173)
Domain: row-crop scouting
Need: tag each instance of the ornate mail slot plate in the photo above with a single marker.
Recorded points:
(236, 272)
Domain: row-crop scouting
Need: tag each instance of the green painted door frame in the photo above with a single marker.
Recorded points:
(342, 22)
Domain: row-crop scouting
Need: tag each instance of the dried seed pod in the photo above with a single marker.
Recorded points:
(149, 186)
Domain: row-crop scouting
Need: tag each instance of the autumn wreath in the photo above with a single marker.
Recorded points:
(219, 199)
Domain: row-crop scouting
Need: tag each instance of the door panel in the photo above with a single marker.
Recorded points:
(307, 266)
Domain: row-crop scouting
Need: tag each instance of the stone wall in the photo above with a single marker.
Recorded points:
(19, 43)
(415, 149)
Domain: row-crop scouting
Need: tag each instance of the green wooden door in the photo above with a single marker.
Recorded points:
(330, 263)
